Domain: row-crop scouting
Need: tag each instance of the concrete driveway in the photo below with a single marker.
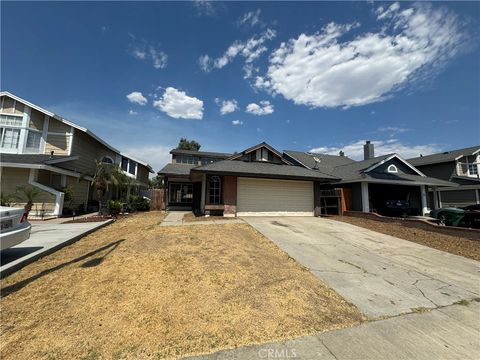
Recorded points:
(382, 275)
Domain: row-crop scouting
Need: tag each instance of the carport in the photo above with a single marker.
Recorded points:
(379, 194)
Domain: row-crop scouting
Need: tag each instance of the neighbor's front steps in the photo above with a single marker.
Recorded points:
(451, 332)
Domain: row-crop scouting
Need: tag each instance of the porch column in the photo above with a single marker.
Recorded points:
(365, 198)
(435, 198)
(477, 194)
(204, 190)
(424, 200)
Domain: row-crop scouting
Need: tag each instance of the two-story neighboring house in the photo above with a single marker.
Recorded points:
(41, 149)
(459, 166)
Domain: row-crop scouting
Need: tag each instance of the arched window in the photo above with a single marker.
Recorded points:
(392, 169)
(215, 190)
(107, 160)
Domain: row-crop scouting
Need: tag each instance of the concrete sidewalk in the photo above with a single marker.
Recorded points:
(175, 218)
(451, 332)
(45, 239)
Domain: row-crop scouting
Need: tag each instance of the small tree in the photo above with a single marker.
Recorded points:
(6, 199)
(157, 182)
(185, 144)
(105, 176)
(28, 194)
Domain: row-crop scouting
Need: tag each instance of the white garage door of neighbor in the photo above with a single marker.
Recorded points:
(268, 197)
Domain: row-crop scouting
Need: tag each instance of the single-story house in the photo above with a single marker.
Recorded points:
(264, 181)
(41, 149)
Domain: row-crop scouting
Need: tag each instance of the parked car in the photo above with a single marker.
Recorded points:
(15, 227)
(397, 208)
(468, 216)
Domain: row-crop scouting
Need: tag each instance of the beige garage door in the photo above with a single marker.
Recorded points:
(268, 197)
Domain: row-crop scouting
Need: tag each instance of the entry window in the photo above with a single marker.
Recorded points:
(215, 190)
(180, 193)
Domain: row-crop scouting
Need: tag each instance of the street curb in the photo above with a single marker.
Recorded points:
(13, 268)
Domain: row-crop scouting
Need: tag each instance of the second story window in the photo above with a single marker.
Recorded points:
(10, 138)
(132, 167)
(473, 169)
(124, 164)
(107, 160)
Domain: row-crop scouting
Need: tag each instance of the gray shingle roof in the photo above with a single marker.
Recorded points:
(325, 160)
(200, 153)
(32, 158)
(443, 157)
(177, 169)
(263, 169)
(352, 170)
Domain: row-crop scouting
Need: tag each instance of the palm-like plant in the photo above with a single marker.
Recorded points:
(105, 176)
(28, 194)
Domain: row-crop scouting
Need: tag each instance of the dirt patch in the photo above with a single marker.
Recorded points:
(136, 290)
(188, 217)
(456, 245)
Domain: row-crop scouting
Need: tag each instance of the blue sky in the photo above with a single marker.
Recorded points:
(321, 76)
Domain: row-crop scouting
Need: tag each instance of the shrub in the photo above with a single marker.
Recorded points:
(114, 207)
(139, 203)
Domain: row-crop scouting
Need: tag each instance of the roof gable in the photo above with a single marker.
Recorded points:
(263, 156)
(397, 161)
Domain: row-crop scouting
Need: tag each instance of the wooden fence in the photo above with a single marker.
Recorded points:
(158, 199)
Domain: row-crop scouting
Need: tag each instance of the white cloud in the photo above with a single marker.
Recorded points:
(265, 108)
(237, 122)
(205, 63)
(143, 50)
(325, 70)
(131, 112)
(392, 130)
(250, 50)
(227, 106)
(137, 97)
(205, 7)
(250, 18)
(157, 156)
(354, 150)
(179, 105)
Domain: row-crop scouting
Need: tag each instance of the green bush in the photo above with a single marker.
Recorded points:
(114, 207)
(138, 203)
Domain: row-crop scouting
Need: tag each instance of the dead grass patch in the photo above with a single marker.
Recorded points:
(137, 290)
(469, 248)
(192, 217)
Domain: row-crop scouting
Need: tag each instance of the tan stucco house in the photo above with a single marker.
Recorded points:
(41, 149)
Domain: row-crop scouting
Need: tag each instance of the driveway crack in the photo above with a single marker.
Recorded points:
(326, 347)
(423, 294)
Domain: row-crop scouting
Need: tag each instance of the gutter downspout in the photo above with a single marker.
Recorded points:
(59, 196)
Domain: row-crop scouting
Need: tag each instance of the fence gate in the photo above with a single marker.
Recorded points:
(158, 199)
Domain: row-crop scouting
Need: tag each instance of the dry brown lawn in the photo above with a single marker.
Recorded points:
(469, 248)
(137, 290)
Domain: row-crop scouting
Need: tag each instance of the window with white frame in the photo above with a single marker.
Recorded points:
(10, 138)
(215, 190)
(13, 134)
(33, 140)
(473, 169)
